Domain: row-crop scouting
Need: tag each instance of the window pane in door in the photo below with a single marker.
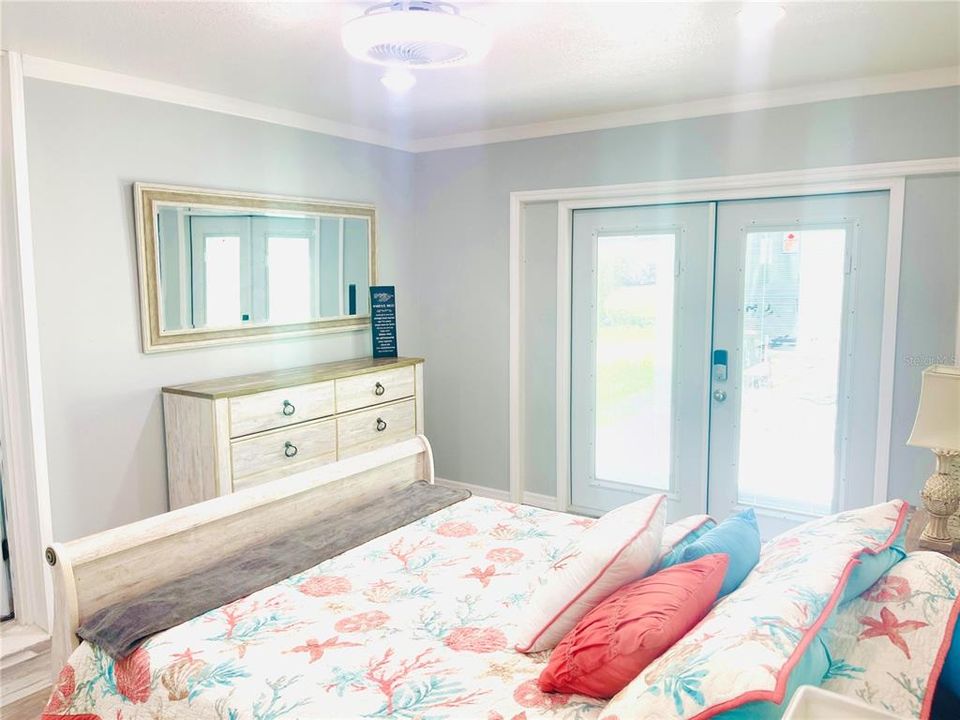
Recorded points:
(634, 358)
(288, 263)
(222, 280)
(792, 323)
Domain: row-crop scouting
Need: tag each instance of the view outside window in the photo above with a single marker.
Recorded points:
(792, 321)
(634, 358)
(288, 267)
(222, 280)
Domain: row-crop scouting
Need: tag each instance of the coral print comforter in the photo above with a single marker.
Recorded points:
(415, 624)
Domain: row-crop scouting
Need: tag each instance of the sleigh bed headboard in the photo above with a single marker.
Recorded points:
(99, 570)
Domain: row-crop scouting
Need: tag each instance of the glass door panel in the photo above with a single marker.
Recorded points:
(635, 334)
(794, 410)
(639, 376)
(222, 280)
(289, 279)
(792, 321)
(220, 270)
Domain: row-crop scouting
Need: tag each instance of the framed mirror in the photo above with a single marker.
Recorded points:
(225, 267)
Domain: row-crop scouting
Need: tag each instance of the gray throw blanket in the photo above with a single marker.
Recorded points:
(119, 629)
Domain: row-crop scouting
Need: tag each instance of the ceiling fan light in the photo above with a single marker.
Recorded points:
(398, 80)
(415, 34)
(758, 17)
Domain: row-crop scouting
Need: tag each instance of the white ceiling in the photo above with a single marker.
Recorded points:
(550, 61)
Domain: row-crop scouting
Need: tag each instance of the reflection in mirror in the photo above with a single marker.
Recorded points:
(224, 267)
(222, 270)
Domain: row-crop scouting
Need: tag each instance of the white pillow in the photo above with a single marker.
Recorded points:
(617, 549)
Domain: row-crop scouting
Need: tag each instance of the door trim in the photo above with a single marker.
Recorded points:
(889, 176)
(22, 426)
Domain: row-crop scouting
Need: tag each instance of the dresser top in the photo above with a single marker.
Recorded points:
(277, 379)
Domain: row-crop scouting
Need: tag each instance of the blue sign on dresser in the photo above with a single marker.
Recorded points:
(383, 320)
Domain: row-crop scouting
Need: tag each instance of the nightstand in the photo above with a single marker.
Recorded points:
(814, 703)
(917, 521)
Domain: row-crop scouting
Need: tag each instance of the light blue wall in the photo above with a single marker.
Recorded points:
(443, 241)
(926, 327)
(462, 229)
(101, 394)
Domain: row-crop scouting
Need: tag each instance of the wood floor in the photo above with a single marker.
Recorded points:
(27, 708)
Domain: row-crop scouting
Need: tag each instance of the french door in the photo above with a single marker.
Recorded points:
(640, 338)
(798, 318)
(721, 353)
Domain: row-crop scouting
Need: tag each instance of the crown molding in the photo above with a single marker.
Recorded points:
(732, 187)
(874, 85)
(72, 74)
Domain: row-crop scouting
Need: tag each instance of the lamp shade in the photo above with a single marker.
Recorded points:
(938, 417)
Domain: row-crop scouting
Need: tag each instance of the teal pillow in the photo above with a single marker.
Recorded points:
(673, 557)
(872, 567)
(738, 537)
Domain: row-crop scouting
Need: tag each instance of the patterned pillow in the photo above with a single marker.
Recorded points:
(747, 649)
(888, 646)
(617, 549)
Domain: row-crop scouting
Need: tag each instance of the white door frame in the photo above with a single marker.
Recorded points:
(889, 176)
(24, 451)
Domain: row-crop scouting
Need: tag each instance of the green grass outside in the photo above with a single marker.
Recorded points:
(624, 369)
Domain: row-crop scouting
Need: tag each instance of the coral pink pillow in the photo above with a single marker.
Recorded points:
(618, 548)
(616, 640)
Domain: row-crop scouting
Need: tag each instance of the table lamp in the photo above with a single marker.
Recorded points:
(938, 427)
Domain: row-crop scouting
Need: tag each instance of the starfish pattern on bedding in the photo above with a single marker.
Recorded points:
(484, 575)
(317, 649)
(505, 671)
(889, 626)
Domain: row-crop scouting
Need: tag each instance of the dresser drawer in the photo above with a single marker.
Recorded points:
(278, 408)
(367, 430)
(374, 388)
(280, 452)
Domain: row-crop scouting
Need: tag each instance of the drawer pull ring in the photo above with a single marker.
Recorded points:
(289, 408)
(381, 425)
(379, 389)
(289, 449)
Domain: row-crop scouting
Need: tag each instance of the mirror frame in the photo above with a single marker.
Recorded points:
(148, 197)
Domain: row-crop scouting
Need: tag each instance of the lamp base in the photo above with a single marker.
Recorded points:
(931, 542)
(941, 499)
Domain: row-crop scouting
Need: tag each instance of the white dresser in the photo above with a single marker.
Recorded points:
(233, 433)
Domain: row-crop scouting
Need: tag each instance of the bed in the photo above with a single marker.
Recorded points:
(417, 623)
(413, 624)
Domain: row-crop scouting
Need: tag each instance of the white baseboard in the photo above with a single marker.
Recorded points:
(478, 490)
(547, 502)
